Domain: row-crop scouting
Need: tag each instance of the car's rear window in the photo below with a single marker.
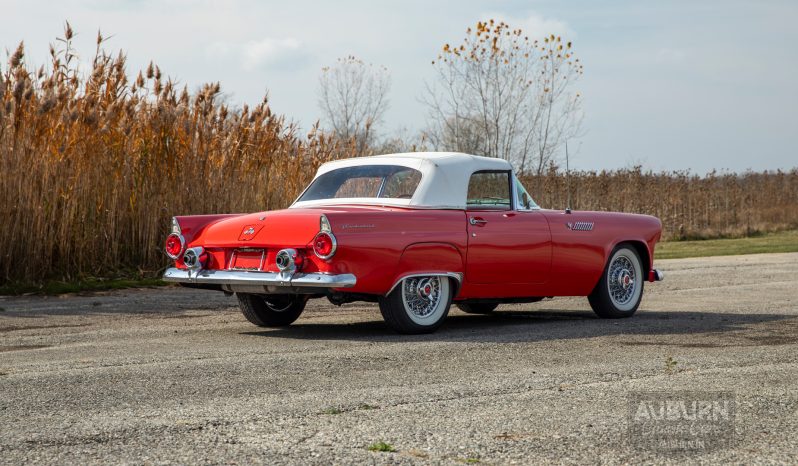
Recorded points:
(364, 181)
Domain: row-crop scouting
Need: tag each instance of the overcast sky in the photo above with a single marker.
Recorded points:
(669, 85)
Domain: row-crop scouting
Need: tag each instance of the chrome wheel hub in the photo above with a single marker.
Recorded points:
(424, 289)
(626, 279)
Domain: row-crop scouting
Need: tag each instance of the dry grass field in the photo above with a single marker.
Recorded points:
(93, 163)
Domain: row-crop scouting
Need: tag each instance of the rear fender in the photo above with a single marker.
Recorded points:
(424, 259)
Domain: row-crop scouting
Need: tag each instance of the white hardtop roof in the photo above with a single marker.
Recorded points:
(444, 178)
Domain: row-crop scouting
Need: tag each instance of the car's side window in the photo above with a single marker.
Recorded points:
(488, 189)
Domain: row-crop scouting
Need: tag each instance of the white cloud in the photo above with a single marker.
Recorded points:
(254, 54)
(257, 53)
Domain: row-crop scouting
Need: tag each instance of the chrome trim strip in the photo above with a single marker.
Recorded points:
(229, 277)
(176, 226)
(456, 276)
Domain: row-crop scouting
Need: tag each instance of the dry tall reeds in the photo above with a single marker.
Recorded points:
(92, 167)
(690, 206)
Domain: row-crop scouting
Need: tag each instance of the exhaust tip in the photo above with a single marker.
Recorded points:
(192, 258)
(288, 260)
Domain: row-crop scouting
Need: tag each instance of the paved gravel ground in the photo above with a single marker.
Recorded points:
(178, 376)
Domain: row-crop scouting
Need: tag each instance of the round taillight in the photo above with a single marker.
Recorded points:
(324, 245)
(174, 245)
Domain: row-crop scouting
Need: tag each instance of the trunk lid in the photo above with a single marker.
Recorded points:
(280, 228)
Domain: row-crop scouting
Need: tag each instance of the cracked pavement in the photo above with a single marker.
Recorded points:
(179, 376)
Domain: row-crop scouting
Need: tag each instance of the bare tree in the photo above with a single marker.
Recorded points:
(502, 94)
(402, 140)
(353, 97)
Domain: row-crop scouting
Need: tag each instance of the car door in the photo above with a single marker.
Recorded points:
(506, 244)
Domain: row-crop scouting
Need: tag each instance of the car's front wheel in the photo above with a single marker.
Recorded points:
(271, 310)
(620, 289)
(417, 304)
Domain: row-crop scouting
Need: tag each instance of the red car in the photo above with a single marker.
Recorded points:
(415, 233)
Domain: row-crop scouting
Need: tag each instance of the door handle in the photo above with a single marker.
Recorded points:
(477, 221)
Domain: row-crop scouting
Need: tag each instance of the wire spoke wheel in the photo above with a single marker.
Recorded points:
(418, 304)
(422, 295)
(621, 280)
(624, 280)
(620, 289)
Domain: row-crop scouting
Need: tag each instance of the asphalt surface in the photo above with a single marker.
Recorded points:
(178, 376)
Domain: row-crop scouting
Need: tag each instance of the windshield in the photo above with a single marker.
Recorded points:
(522, 197)
(364, 181)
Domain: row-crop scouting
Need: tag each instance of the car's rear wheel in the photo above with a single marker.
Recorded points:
(417, 304)
(620, 289)
(271, 310)
(478, 308)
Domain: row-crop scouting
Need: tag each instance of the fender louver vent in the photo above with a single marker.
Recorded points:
(580, 226)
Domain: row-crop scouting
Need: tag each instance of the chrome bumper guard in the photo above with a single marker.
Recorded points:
(260, 282)
(656, 276)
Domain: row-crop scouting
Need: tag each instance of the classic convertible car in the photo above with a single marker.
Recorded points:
(415, 233)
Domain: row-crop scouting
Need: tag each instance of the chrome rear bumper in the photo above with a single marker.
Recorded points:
(260, 282)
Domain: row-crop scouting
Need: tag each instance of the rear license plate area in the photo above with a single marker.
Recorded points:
(247, 259)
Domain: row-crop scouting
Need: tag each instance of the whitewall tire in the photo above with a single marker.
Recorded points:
(417, 304)
(620, 289)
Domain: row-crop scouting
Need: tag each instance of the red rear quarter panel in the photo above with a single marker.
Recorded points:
(380, 245)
